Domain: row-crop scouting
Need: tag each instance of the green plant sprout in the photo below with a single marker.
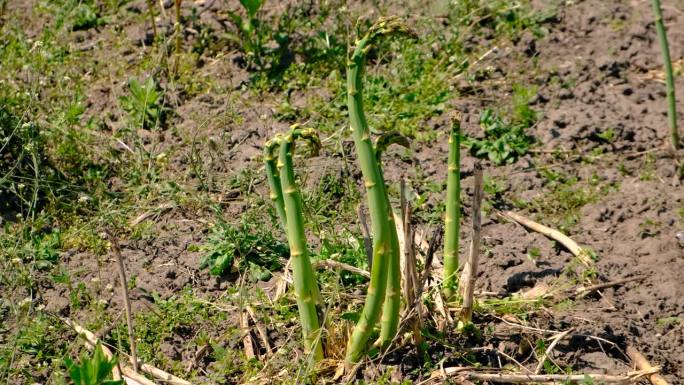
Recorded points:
(144, 104)
(305, 284)
(256, 251)
(250, 34)
(503, 143)
(95, 370)
(669, 79)
(389, 322)
(378, 202)
(452, 217)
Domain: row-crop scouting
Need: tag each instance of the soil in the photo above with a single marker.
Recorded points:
(606, 54)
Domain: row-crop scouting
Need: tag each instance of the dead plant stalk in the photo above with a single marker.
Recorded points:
(124, 296)
(469, 275)
(556, 235)
(515, 378)
(642, 363)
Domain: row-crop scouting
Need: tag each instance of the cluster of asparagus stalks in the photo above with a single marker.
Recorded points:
(383, 295)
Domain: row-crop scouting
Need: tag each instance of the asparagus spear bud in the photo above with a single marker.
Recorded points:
(305, 285)
(452, 217)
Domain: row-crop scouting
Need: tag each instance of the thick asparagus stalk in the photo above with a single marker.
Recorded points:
(452, 217)
(375, 187)
(306, 288)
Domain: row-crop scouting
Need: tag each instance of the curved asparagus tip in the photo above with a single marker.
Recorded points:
(389, 321)
(309, 135)
(387, 139)
(387, 27)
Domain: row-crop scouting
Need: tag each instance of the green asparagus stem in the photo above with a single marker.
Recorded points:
(375, 187)
(452, 217)
(389, 322)
(306, 288)
(667, 63)
(273, 176)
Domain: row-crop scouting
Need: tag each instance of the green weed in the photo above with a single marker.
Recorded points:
(144, 104)
(95, 370)
(255, 250)
(251, 34)
(503, 142)
(668, 321)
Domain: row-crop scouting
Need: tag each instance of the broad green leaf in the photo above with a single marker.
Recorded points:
(252, 6)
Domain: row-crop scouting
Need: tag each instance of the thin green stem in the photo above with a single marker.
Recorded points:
(150, 11)
(306, 288)
(273, 176)
(669, 79)
(452, 217)
(389, 322)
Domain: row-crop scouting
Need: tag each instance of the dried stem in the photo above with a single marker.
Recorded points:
(331, 264)
(150, 11)
(178, 33)
(556, 235)
(411, 290)
(124, 295)
(583, 291)
(367, 241)
(642, 363)
(467, 283)
(260, 329)
(516, 378)
(247, 335)
(554, 341)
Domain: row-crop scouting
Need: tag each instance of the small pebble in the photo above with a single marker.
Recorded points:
(680, 238)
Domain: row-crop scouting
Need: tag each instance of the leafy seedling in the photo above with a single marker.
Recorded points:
(503, 142)
(95, 370)
(251, 34)
(144, 104)
(256, 251)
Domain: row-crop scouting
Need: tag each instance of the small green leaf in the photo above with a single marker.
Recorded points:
(351, 316)
(95, 370)
(251, 6)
